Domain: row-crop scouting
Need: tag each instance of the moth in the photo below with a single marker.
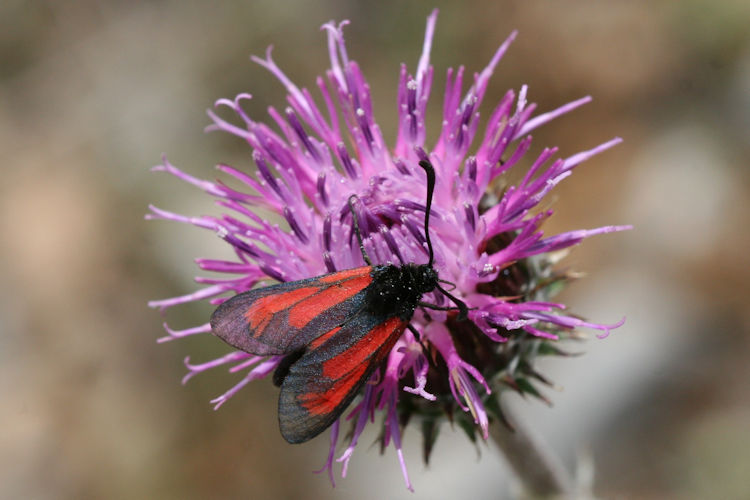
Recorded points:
(333, 330)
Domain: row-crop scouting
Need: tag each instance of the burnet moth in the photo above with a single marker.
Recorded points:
(333, 330)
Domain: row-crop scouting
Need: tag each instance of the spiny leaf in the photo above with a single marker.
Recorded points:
(468, 427)
(527, 369)
(549, 349)
(492, 404)
(527, 387)
(512, 383)
(430, 431)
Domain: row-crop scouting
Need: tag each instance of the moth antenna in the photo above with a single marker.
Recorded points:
(430, 171)
(463, 310)
(356, 229)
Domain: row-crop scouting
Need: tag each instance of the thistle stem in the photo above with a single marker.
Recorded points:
(539, 469)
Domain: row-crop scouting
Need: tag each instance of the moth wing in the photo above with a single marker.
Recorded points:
(284, 318)
(322, 383)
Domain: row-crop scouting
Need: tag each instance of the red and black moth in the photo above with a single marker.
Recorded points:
(334, 330)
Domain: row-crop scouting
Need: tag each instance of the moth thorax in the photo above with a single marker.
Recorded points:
(398, 289)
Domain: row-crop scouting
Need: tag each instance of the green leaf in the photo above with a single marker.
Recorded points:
(549, 349)
(430, 431)
(468, 427)
(493, 407)
(555, 287)
(527, 387)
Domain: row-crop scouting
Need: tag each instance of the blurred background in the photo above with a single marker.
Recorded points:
(93, 92)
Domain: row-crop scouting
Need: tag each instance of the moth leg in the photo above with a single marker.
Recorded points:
(461, 308)
(427, 305)
(416, 333)
(420, 338)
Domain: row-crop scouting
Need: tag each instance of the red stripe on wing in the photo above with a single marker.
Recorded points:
(345, 274)
(327, 402)
(261, 312)
(286, 317)
(322, 383)
(306, 310)
(323, 338)
(359, 353)
(345, 372)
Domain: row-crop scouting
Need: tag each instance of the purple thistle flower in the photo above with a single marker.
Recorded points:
(488, 243)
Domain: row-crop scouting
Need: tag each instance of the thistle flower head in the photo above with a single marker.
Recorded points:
(487, 242)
